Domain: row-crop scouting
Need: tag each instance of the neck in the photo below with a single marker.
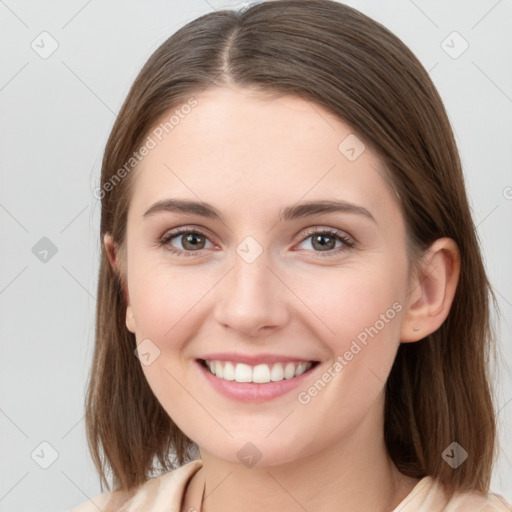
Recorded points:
(353, 474)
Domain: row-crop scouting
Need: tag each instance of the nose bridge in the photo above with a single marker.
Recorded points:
(251, 296)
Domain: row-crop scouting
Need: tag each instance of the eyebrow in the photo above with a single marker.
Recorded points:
(295, 211)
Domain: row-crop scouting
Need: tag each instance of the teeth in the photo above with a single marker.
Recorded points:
(277, 372)
(261, 373)
(229, 371)
(301, 368)
(243, 373)
(289, 371)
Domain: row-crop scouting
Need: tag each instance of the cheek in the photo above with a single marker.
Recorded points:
(163, 297)
(357, 317)
(344, 304)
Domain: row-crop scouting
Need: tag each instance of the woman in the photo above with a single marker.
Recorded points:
(293, 312)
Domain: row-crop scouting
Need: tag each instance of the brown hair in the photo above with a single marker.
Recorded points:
(333, 55)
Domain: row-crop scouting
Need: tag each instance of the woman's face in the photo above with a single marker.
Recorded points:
(252, 289)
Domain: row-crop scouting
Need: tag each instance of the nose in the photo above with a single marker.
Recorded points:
(252, 299)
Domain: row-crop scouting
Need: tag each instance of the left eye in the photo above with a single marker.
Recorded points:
(325, 241)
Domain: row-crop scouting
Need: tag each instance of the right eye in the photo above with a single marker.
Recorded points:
(193, 242)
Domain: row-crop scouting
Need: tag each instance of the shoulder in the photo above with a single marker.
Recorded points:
(429, 495)
(154, 494)
(477, 502)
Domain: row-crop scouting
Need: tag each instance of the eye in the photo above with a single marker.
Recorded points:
(324, 241)
(194, 241)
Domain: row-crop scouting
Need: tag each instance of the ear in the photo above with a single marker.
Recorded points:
(111, 250)
(431, 291)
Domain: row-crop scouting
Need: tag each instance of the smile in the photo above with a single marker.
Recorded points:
(260, 374)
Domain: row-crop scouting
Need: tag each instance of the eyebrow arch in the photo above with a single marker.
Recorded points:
(298, 210)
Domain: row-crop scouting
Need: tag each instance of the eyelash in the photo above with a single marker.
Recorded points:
(349, 244)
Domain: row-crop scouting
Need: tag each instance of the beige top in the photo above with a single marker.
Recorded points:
(165, 494)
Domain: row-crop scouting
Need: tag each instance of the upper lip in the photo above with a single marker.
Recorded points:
(255, 359)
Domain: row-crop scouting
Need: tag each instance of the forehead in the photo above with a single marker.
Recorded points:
(239, 147)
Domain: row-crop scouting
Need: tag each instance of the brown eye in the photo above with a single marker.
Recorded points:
(324, 241)
(191, 241)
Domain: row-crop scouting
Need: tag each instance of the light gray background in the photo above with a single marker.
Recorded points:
(56, 114)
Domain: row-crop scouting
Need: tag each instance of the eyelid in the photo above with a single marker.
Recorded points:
(325, 229)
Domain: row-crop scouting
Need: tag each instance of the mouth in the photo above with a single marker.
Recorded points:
(257, 374)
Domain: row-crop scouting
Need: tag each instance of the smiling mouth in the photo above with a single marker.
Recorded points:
(260, 373)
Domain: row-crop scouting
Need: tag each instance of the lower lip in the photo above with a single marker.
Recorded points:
(251, 391)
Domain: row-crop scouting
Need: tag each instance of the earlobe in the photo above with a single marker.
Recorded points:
(130, 320)
(433, 289)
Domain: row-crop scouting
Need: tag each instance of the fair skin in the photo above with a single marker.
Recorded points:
(249, 157)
